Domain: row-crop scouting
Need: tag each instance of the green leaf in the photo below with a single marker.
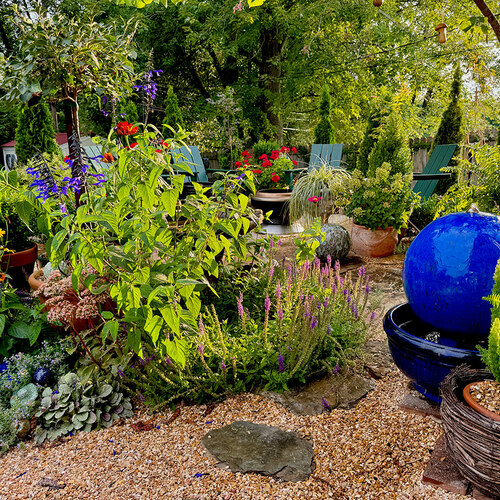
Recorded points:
(153, 326)
(170, 317)
(20, 330)
(177, 350)
(2, 323)
(110, 327)
(169, 200)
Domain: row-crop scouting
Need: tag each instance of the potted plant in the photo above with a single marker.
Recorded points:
(380, 206)
(318, 193)
(471, 410)
(18, 252)
(271, 179)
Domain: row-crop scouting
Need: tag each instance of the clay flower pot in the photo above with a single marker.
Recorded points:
(373, 242)
(275, 200)
(478, 407)
(19, 265)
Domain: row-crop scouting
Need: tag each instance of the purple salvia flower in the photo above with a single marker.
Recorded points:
(271, 243)
(281, 364)
(372, 316)
(267, 303)
(314, 323)
(325, 303)
(344, 291)
(336, 369)
(201, 349)
(63, 208)
(328, 330)
(334, 289)
(168, 361)
(120, 373)
(361, 271)
(367, 289)
(326, 404)
(223, 366)
(306, 265)
(316, 263)
(337, 265)
(280, 314)
(329, 260)
(278, 290)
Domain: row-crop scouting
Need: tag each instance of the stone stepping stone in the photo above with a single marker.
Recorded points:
(248, 447)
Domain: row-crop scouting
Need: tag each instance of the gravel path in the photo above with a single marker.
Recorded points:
(375, 451)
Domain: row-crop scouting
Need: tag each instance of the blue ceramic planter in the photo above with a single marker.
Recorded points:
(424, 362)
(449, 268)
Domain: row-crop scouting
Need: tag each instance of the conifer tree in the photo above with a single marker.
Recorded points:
(368, 142)
(323, 133)
(452, 127)
(391, 147)
(173, 115)
(35, 132)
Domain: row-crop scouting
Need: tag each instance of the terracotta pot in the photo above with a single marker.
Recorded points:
(19, 265)
(273, 200)
(474, 404)
(373, 242)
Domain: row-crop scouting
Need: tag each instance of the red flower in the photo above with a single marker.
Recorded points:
(314, 199)
(165, 144)
(275, 154)
(107, 158)
(294, 151)
(158, 151)
(275, 177)
(263, 157)
(284, 149)
(126, 128)
(294, 162)
(67, 159)
(133, 145)
(237, 164)
(246, 162)
(267, 163)
(258, 171)
(245, 154)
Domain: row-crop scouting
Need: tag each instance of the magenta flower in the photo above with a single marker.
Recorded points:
(271, 270)
(239, 301)
(267, 303)
(278, 290)
(201, 349)
(314, 199)
(223, 366)
(329, 260)
(280, 314)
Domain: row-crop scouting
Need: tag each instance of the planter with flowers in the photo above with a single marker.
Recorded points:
(271, 175)
(380, 206)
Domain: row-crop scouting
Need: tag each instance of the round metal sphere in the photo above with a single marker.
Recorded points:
(449, 268)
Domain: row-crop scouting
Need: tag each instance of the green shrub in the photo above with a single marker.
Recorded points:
(323, 133)
(391, 147)
(369, 140)
(35, 132)
(424, 212)
(173, 116)
(264, 147)
(382, 201)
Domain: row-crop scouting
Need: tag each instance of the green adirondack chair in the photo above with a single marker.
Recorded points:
(428, 179)
(192, 158)
(321, 154)
(92, 151)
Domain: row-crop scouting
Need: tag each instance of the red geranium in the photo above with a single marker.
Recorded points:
(275, 178)
(263, 157)
(237, 164)
(245, 154)
(284, 149)
(258, 171)
(126, 128)
(267, 163)
(294, 162)
(275, 154)
(294, 151)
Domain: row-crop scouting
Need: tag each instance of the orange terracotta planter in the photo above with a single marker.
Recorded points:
(479, 408)
(373, 243)
(19, 265)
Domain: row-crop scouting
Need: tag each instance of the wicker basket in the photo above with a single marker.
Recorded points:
(472, 439)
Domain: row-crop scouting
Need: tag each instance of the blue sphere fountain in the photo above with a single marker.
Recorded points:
(447, 271)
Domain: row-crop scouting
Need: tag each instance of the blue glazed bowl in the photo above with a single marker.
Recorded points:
(424, 362)
(449, 268)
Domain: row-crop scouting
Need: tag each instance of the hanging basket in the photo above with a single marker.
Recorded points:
(472, 438)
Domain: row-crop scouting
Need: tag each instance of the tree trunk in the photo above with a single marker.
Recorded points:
(270, 72)
(72, 131)
(488, 14)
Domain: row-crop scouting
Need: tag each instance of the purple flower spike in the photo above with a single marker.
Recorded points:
(120, 373)
(141, 397)
(223, 366)
(316, 262)
(201, 349)
(168, 361)
(267, 303)
(361, 271)
(314, 323)
(281, 364)
(239, 302)
(336, 369)
(280, 314)
(201, 326)
(337, 265)
(271, 270)
(326, 404)
(278, 290)
(372, 316)
(329, 260)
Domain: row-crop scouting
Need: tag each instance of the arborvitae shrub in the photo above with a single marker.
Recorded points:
(452, 127)
(173, 115)
(35, 132)
(368, 142)
(391, 147)
(323, 133)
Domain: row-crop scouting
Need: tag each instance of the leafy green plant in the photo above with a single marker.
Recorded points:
(73, 406)
(477, 182)
(314, 321)
(382, 201)
(35, 132)
(12, 419)
(391, 147)
(325, 184)
(173, 116)
(264, 148)
(424, 211)
(323, 132)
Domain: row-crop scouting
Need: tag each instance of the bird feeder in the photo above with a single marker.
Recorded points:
(378, 3)
(441, 29)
